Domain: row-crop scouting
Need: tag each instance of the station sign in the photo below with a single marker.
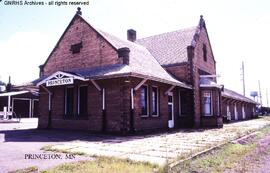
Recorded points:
(60, 81)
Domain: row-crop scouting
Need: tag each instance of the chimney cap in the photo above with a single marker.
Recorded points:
(79, 12)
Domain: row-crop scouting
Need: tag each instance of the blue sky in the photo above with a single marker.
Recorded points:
(238, 31)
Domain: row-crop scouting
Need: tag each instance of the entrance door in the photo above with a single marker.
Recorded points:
(170, 111)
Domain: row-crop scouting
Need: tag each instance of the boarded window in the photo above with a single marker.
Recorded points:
(75, 48)
(144, 100)
(204, 53)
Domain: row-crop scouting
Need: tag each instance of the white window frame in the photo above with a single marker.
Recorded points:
(211, 104)
(171, 122)
(147, 98)
(155, 115)
(243, 112)
(235, 112)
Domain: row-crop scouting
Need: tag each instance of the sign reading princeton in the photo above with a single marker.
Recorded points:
(62, 81)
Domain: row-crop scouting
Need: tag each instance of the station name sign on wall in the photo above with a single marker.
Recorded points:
(61, 81)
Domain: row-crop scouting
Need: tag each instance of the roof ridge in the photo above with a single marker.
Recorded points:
(179, 30)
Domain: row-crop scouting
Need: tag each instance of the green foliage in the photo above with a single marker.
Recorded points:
(106, 164)
(32, 169)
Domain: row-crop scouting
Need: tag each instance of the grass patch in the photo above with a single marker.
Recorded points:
(107, 164)
(217, 160)
(50, 148)
(222, 159)
(32, 169)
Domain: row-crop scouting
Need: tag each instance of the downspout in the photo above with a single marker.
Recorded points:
(49, 107)
(104, 119)
(132, 111)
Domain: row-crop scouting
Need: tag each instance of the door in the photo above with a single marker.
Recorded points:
(170, 111)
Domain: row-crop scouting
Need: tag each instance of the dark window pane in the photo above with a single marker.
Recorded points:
(170, 111)
(204, 52)
(154, 101)
(184, 102)
(144, 103)
(83, 101)
(207, 103)
(170, 99)
(69, 101)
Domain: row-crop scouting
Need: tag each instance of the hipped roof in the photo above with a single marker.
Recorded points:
(171, 47)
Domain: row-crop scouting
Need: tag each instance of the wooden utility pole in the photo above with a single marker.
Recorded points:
(267, 97)
(243, 79)
(260, 92)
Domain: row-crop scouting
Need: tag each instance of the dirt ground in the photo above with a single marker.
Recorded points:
(258, 161)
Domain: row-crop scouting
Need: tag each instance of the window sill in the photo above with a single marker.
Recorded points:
(76, 117)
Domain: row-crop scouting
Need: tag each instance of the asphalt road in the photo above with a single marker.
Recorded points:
(20, 145)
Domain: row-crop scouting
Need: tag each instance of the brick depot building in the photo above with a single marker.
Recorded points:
(95, 81)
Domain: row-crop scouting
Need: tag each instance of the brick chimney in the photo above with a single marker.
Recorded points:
(41, 70)
(124, 54)
(131, 35)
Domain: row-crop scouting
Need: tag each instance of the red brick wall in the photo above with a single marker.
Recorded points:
(209, 65)
(95, 52)
(160, 122)
(180, 71)
(150, 123)
(199, 63)
(43, 108)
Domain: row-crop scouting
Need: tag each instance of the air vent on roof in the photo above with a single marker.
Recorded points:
(124, 53)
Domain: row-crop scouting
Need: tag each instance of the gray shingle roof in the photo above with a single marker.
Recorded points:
(171, 47)
(234, 95)
(142, 62)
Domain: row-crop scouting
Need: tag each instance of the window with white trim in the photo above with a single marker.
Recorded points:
(144, 100)
(155, 101)
(207, 103)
